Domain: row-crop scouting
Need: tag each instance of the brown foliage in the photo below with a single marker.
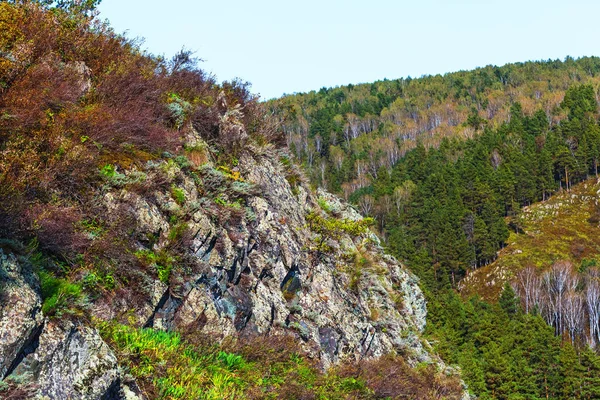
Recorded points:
(391, 377)
(578, 249)
(267, 349)
(595, 215)
(55, 228)
(74, 97)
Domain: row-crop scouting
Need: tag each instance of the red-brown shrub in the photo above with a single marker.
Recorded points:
(391, 377)
(76, 97)
(55, 228)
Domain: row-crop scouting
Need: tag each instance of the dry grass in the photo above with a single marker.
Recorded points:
(561, 228)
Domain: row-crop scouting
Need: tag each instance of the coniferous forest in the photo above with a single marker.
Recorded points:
(446, 195)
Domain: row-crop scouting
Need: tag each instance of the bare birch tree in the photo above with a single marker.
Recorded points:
(592, 300)
(529, 288)
(573, 314)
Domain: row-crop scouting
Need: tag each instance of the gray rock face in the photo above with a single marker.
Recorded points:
(250, 265)
(60, 359)
(20, 316)
(72, 362)
(82, 77)
(260, 273)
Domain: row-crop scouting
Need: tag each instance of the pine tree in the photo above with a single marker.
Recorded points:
(508, 300)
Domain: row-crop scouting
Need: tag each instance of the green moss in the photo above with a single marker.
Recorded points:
(183, 162)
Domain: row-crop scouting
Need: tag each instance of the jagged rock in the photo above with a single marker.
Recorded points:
(59, 359)
(72, 361)
(83, 76)
(20, 305)
(246, 276)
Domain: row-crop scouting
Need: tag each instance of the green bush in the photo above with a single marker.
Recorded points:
(328, 228)
(177, 231)
(161, 261)
(178, 194)
(324, 204)
(110, 175)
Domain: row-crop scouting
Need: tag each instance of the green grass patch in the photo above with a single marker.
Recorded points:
(58, 295)
(168, 367)
(161, 261)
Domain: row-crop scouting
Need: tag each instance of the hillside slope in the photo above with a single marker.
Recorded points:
(346, 136)
(257, 274)
(563, 228)
(158, 243)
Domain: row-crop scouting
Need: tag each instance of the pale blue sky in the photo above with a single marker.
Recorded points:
(297, 46)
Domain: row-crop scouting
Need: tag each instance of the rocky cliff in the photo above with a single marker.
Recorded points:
(246, 270)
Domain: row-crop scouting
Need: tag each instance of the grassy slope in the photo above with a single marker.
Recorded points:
(168, 366)
(556, 229)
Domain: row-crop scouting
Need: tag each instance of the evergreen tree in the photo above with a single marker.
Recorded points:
(508, 300)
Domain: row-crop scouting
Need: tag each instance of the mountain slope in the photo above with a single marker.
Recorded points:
(346, 135)
(447, 208)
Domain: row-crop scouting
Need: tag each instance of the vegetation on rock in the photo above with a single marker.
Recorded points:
(171, 367)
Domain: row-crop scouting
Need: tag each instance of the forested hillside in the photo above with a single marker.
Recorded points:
(444, 209)
(447, 195)
(345, 135)
(563, 228)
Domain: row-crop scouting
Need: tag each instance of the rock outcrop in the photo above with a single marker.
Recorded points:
(20, 316)
(256, 271)
(54, 359)
(153, 197)
(249, 262)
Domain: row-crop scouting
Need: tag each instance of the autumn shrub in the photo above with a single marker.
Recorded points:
(56, 229)
(392, 377)
(12, 389)
(76, 97)
(265, 349)
(594, 218)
